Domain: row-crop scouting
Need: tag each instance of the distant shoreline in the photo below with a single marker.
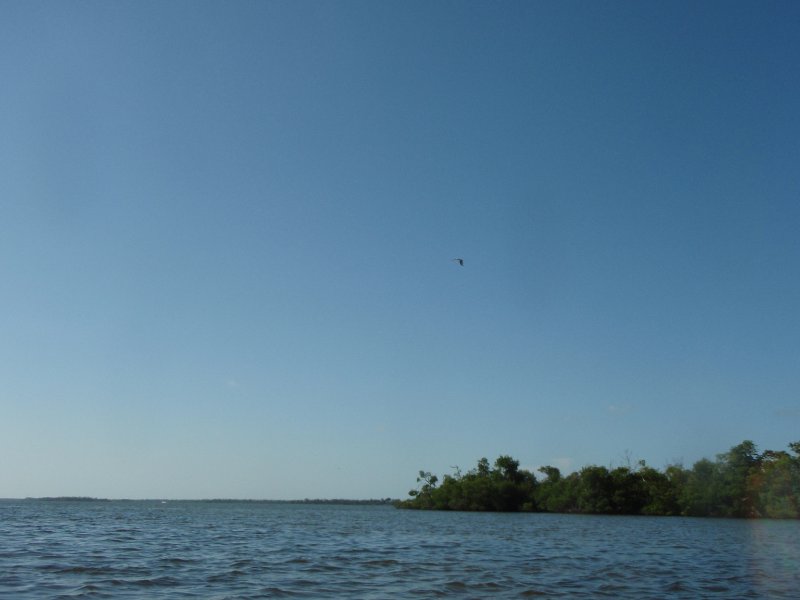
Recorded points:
(382, 501)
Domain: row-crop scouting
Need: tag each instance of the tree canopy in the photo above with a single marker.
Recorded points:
(742, 482)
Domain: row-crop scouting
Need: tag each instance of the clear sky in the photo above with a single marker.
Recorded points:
(227, 232)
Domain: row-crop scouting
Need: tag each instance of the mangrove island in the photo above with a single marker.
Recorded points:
(741, 483)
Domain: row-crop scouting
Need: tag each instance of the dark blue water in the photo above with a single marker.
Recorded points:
(125, 549)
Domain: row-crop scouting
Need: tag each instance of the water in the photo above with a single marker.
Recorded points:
(145, 549)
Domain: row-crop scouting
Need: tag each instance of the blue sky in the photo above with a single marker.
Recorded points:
(226, 233)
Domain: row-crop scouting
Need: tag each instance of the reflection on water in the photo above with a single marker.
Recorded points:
(245, 550)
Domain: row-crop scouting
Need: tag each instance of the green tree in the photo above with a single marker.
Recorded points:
(775, 485)
(701, 495)
(735, 467)
(422, 497)
(628, 491)
(595, 490)
(550, 492)
(661, 490)
(507, 468)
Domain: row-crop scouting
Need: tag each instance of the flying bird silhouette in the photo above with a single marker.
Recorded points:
(460, 261)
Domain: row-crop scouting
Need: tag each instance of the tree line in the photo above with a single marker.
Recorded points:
(741, 482)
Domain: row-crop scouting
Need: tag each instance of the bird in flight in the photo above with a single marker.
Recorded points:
(460, 261)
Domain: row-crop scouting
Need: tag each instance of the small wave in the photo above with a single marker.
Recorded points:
(225, 577)
(613, 588)
(483, 587)
(610, 573)
(428, 593)
(296, 560)
(322, 568)
(245, 562)
(77, 569)
(156, 582)
(175, 561)
(715, 588)
(89, 588)
(276, 592)
(381, 562)
(456, 586)
(303, 583)
(675, 586)
(489, 585)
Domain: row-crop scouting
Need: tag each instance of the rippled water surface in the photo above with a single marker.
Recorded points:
(144, 549)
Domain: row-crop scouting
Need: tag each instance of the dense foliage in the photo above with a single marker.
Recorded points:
(739, 483)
